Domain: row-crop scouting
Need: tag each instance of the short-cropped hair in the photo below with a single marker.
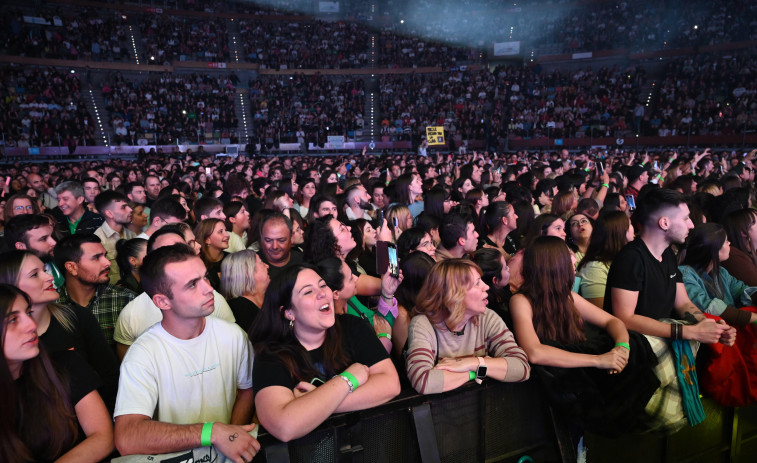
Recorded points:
(69, 249)
(654, 202)
(105, 199)
(166, 208)
(153, 275)
(17, 228)
(75, 188)
(452, 228)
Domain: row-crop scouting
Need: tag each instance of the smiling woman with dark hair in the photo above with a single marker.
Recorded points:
(310, 362)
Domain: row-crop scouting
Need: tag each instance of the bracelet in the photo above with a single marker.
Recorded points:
(207, 430)
(351, 380)
(606, 185)
(471, 375)
(676, 331)
(624, 345)
(643, 164)
(384, 335)
(387, 298)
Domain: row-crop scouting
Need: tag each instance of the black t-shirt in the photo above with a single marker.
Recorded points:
(359, 342)
(273, 271)
(87, 339)
(245, 312)
(636, 269)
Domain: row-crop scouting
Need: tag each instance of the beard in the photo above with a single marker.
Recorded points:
(365, 205)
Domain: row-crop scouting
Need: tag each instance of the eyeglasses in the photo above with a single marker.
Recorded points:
(577, 223)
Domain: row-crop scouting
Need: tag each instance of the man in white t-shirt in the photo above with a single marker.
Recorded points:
(187, 381)
(141, 313)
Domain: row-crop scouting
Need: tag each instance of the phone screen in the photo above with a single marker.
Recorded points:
(394, 268)
(631, 202)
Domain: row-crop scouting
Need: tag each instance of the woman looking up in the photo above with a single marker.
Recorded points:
(310, 362)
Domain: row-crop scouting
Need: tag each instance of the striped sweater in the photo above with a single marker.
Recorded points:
(489, 337)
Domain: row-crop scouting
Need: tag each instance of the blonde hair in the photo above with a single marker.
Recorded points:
(401, 212)
(442, 296)
(237, 271)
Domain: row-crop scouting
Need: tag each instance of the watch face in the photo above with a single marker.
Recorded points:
(481, 372)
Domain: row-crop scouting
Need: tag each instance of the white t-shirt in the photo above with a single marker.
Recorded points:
(185, 381)
(141, 313)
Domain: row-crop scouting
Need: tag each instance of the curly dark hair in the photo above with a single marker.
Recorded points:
(321, 242)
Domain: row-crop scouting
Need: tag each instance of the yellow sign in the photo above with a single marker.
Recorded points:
(435, 135)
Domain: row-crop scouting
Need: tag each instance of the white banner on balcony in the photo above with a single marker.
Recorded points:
(506, 48)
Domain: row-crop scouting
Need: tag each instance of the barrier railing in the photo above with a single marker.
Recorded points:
(503, 422)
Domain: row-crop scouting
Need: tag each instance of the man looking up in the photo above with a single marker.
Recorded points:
(85, 268)
(644, 283)
(358, 202)
(187, 370)
(73, 218)
(113, 206)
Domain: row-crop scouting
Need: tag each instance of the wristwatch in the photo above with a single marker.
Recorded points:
(481, 370)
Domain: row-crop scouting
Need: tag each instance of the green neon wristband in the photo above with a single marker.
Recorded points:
(207, 430)
(623, 344)
(471, 375)
(606, 185)
(349, 377)
(384, 335)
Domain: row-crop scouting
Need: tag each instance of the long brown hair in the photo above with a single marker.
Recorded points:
(442, 296)
(737, 225)
(547, 281)
(607, 238)
(202, 231)
(38, 421)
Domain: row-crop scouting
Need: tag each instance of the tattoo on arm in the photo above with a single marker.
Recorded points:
(233, 436)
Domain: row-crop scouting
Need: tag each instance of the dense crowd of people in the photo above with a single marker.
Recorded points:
(169, 107)
(304, 44)
(43, 107)
(229, 288)
(416, 34)
(306, 109)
